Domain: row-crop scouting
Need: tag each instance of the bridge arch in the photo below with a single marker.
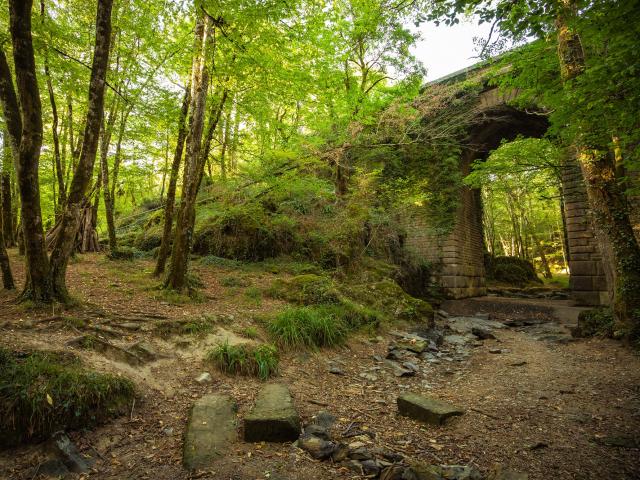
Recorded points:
(458, 256)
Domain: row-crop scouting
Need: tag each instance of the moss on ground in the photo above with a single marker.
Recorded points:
(361, 303)
(42, 392)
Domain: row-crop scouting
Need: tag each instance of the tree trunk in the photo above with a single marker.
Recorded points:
(177, 278)
(59, 172)
(24, 123)
(104, 168)
(165, 243)
(70, 221)
(606, 198)
(5, 194)
(5, 266)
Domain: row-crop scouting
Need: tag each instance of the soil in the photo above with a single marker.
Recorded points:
(544, 405)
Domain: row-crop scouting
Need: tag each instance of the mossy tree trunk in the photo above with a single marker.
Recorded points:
(165, 243)
(5, 266)
(70, 221)
(177, 277)
(6, 199)
(105, 141)
(24, 124)
(607, 199)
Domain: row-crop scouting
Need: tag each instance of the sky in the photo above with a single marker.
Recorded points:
(444, 50)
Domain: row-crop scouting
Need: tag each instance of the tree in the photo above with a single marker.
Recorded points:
(193, 165)
(23, 116)
(165, 243)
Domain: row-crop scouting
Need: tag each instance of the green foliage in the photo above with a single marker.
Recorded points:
(213, 261)
(245, 359)
(510, 270)
(254, 294)
(309, 326)
(45, 392)
(251, 332)
(520, 184)
(126, 253)
(597, 322)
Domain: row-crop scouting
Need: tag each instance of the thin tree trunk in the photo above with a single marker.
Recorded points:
(165, 243)
(5, 266)
(606, 198)
(24, 123)
(82, 176)
(177, 277)
(61, 198)
(6, 195)
(165, 167)
(104, 168)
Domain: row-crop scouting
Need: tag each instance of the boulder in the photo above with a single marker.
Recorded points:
(211, 428)
(273, 417)
(425, 409)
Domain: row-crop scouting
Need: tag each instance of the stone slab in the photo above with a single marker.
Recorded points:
(211, 428)
(425, 409)
(273, 417)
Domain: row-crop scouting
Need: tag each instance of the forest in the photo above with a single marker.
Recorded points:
(249, 239)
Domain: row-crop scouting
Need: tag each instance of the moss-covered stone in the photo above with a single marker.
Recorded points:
(307, 289)
(43, 392)
(387, 297)
(211, 429)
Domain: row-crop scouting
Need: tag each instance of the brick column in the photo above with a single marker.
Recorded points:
(588, 280)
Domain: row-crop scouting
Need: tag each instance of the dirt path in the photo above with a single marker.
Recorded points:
(540, 406)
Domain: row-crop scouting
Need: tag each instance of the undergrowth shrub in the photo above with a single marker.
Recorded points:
(308, 326)
(41, 393)
(596, 322)
(510, 270)
(255, 360)
(126, 254)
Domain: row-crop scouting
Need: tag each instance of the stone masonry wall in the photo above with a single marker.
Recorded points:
(458, 256)
(588, 281)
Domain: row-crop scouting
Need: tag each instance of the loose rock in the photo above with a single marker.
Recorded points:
(482, 333)
(273, 418)
(211, 428)
(204, 377)
(317, 447)
(67, 452)
(424, 409)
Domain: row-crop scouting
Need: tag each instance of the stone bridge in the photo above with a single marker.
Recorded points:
(458, 256)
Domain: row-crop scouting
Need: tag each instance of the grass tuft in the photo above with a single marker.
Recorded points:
(310, 326)
(260, 361)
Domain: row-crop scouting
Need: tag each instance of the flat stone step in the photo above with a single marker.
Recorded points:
(273, 418)
(211, 428)
(425, 409)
